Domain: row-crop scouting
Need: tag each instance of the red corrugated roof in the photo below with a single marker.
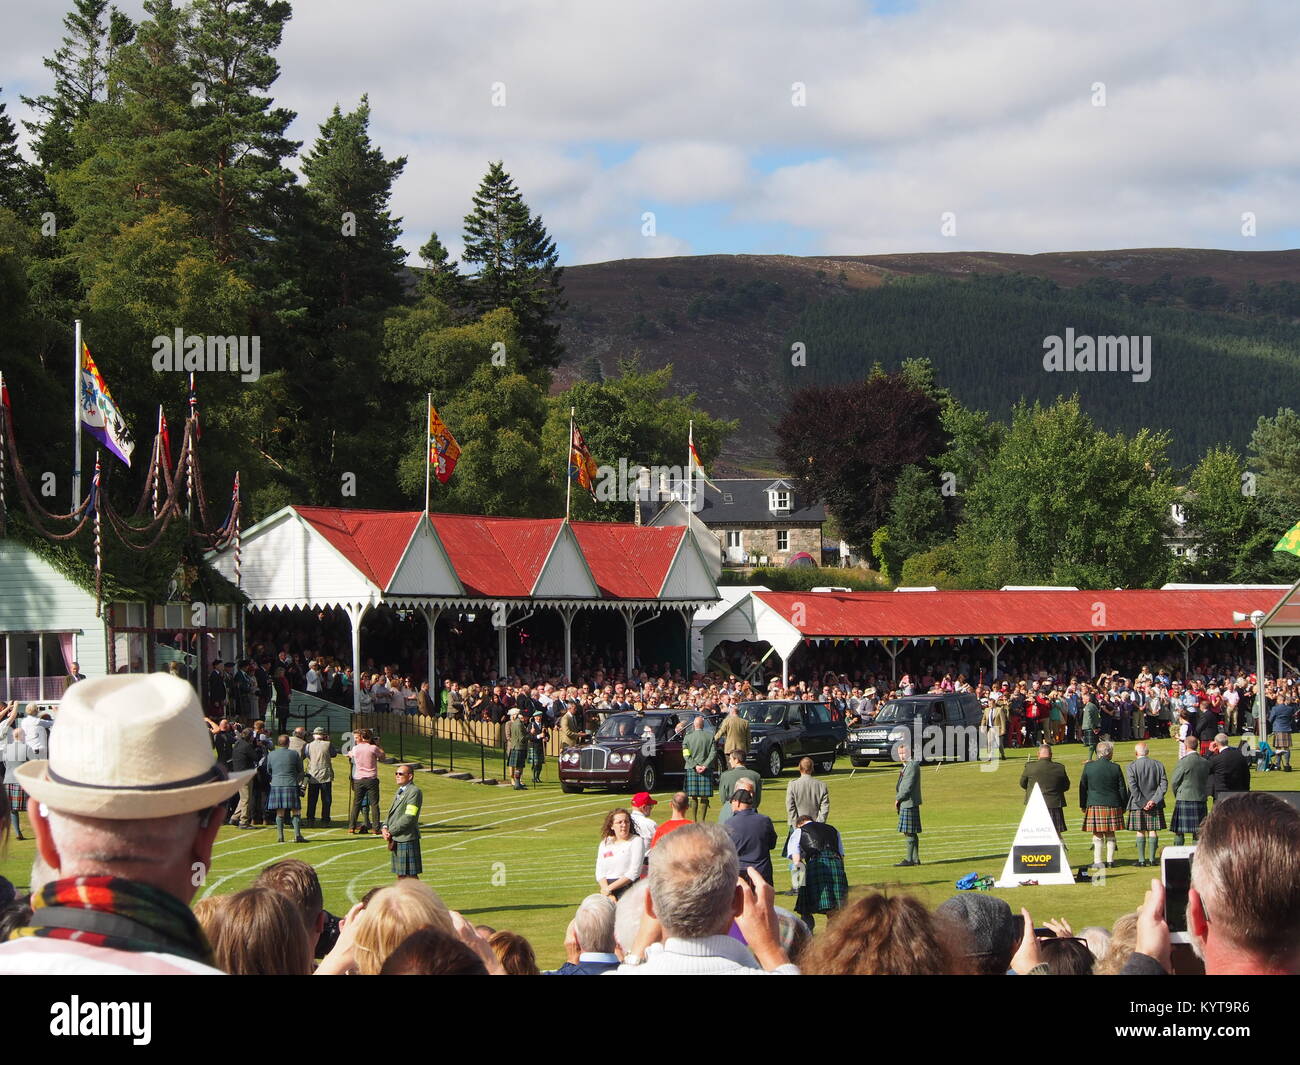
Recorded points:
(628, 561)
(372, 540)
(990, 613)
(496, 557)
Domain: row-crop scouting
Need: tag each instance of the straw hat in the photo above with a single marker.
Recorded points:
(128, 747)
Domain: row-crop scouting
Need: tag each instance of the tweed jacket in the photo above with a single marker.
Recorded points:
(1192, 778)
(908, 792)
(1051, 777)
(1147, 782)
(403, 821)
(807, 795)
(734, 732)
(1102, 784)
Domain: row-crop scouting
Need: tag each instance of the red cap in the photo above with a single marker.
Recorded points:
(644, 798)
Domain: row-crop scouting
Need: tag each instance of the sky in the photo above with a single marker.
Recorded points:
(826, 127)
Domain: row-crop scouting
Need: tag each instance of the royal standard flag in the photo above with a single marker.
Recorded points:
(443, 449)
(1291, 541)
(99, 414)
(697, 465)
(582, 467)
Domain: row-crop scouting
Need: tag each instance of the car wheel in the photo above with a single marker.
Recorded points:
(570, 789)
(774, 762)
(649, 777)
(826, 765)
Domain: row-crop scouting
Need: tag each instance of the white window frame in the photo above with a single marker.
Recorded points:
(783, 539)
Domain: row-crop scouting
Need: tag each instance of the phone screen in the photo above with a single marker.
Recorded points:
(1177, 874)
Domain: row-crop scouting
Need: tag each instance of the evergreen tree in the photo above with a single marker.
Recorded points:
(441, 278)
(516, 261)
(16, 175)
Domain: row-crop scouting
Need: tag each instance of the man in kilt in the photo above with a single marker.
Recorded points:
(699, 753)
(285, 766)
(1147, 784)
(1103, 795)
(402, 826)
(537, 733)
(13, 754)
(1052, 780)
(818, 848)
(516, 748)
(907, 804)
(1191, 791)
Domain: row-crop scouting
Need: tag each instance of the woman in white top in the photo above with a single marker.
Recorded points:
(620, 855)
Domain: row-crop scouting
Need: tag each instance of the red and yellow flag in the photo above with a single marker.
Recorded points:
(443, 449)
(582, 467)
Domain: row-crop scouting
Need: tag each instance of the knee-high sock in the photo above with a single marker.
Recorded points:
(1142, 846)
(704, 810)
(1155, 845)
(1110, 846)
(297, 824)
(279, 824)
(913, 848)
(1096, 849)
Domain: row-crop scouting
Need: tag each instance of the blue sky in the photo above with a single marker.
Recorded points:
(909, 110)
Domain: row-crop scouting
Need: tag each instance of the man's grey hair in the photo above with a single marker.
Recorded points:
(1247, 872)
(593, 924)
(1140, 749)
(97, 846)
(693, 875)
(628, 914)
(1105, 749)
(1221, 739)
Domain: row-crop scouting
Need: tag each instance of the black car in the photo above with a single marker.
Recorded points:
(938, 728)
(783, 731)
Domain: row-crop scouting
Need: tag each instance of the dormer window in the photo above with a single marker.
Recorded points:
(778, 501)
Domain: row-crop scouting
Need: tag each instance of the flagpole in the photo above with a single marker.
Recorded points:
(76, 416)
(690, 465)
(568, 477)
(156, 464)
(428, 443)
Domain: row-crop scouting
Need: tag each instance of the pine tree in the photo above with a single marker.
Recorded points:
(442, 278)
(517, 266)
(15, 173)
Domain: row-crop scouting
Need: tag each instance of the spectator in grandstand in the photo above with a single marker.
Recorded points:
(1244, 904)
(258, 932)
(1103, 797)
(991, 933)
(882, 935)
(1147, 784)
(695, 894)
(129, 805)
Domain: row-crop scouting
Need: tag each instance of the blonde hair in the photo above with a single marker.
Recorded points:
(392, 915)
(1123, 941)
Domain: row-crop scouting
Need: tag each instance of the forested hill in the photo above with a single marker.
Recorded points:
(1225, 329)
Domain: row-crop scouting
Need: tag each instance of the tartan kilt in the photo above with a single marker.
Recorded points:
(825, 886)
(699, 785)
(515, 758)
(1141, 821)
(1280, 741)
(909, 821)
(406, 859)
(1188, 815)
(17, 798)
(536, 755)
(1058, 817)
(283, 798)
(1103, 819)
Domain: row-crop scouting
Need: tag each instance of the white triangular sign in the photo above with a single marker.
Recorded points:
(1037, 853)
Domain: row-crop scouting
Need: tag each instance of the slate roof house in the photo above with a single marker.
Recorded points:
(755, 520)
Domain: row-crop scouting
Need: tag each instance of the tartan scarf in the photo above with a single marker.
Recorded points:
(150, 907)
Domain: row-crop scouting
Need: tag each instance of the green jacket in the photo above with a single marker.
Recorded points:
(698, 749)
(1050, 776)
(1091, 716)
(516, 735)
(403, 820)
(908, 792)
(1102, 784)
(727, 784)
(1192, 778)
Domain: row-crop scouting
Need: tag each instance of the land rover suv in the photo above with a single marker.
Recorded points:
(938, 728)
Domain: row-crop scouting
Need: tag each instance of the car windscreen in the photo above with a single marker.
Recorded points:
(901, 711)
(626, 727)
(762, 713)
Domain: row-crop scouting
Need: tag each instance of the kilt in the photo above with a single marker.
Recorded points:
(1058, 817)
(1141, 821)
(1188, 815)
(17, 798)
(1103, 819)
(406, 859)
(909, 821)
(515, 758)
(283, 798)
(1280, 741)
(825, 886)
(699, 785)
(536, 756)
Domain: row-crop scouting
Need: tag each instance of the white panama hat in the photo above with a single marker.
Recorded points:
(128, 747)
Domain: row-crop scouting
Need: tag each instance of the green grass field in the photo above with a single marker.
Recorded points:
(522, 861)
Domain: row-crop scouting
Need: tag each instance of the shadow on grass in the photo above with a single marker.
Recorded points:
(531, 906)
